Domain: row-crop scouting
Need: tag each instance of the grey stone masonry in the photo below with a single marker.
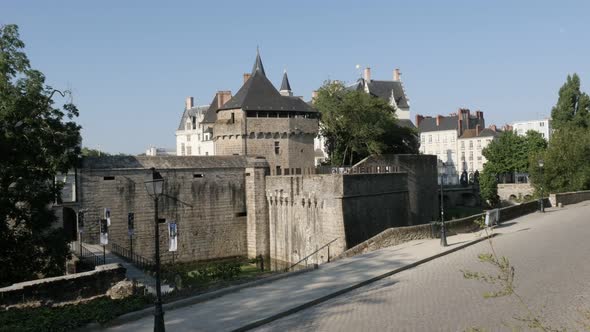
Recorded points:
(205, 196)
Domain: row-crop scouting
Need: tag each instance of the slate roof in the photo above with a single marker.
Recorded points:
(384, 90)
(486, 132)
(446, 123)
(189, 114)
(259, 94)
(406, 123)
(170, 162)
(285, 84)
(258, 64)
(211, 112)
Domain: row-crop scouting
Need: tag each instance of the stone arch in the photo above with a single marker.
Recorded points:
(512, 197)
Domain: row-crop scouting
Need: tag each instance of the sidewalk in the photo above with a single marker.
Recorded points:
(132, 271)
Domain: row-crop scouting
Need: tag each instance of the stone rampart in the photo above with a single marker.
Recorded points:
(70, 287)
(399, 235)
(205, 196)
(306, 212)
(569, 198)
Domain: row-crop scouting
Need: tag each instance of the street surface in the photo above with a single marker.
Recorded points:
(551, 256)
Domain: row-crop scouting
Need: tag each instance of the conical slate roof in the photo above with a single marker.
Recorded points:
(258, 65)
(259, 94)
(285, 86)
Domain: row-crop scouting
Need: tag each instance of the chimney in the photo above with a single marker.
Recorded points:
(188, 104)
(419, 119)
(460, 126)
(396, 74)
(479, 114)
(367, 75)
(246, 76)
(438, 119)
(477, 130)
(314, 95)
(494, 128)
(223, 97)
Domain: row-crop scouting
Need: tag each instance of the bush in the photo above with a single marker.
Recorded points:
(69, 317)
(200, 274)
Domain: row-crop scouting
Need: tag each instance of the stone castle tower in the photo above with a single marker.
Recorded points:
(261, 121)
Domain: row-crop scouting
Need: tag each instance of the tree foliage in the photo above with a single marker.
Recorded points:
(488, 185)
(507, 154)
(37, 141)
(567, 158)
(356, 125)
(573, 106)
(87, 152)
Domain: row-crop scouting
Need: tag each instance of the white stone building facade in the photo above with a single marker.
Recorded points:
(541, 126)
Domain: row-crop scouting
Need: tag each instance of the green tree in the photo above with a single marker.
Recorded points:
(87, 152)
(356, 125)
(37, 141)
(488, 185)
(507, 154)
(567, 158)
(566, 162)
(573, 106)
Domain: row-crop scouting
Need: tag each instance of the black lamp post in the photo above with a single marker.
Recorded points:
(443, 233)
(154, 185)
(541, 164)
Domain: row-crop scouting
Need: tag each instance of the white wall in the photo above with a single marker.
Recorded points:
(541, 126)
(443, 144)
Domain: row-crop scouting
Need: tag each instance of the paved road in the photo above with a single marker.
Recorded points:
(551, 255)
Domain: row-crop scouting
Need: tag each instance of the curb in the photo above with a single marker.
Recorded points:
(136, 315)
(325, 298)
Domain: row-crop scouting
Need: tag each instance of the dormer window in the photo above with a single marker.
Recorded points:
(188, 125)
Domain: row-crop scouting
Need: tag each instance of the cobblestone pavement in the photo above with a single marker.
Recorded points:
(551, 256)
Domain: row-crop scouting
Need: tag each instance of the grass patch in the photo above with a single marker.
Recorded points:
(69, 317)
(204, 275)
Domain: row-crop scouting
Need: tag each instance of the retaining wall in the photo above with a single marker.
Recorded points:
(569, 198)
(394, 236)
(65, 288)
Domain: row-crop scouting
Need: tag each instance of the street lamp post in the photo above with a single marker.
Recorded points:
(154, 185)
(541, 164)
(443, 234)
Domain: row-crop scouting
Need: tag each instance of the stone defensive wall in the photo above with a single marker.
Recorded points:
(569, 198)
(205, 197)
(309, 211)
(395, 236)
(70, 287)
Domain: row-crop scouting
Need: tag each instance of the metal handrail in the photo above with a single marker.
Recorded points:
(87, 254)
(313, 253)
(140, 261)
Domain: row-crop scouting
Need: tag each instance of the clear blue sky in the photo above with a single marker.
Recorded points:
(131, 64)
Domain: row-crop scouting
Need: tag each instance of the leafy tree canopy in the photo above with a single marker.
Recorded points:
(510, 152)
(356, 125)
(573, 106)
(37, 141)
(87, 152)
(567, 158)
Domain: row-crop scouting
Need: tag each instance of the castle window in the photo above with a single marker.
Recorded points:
(189, 150)
(188, 125)
(277, 148)
(233, 118)
(188, 138)
(194, 122)
(182, 149)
